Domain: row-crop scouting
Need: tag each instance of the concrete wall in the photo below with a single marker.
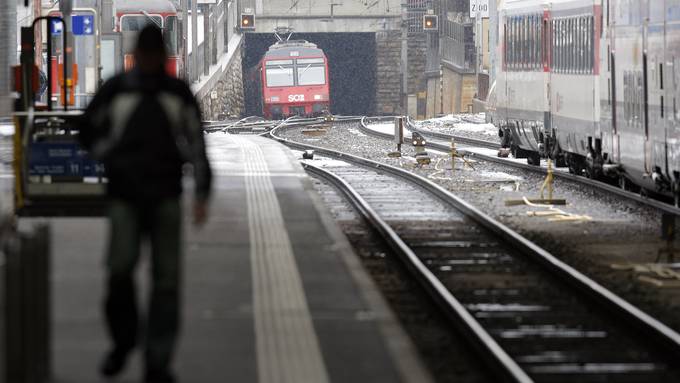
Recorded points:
(417, 45)
(319, 16)
(388, 80)
(459, 90)
(221, 95)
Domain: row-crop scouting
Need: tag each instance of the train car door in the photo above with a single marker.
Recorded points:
(656, 83)
(547, 52)
(673, 90)
(607, 77)
(111, 53)
(644, 13)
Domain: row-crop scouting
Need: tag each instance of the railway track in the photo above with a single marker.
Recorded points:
(530, 316)
(258, 125)
(441, 142)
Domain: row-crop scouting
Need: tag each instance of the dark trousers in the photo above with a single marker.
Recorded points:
(160, 221)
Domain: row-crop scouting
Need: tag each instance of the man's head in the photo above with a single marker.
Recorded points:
(150, 54)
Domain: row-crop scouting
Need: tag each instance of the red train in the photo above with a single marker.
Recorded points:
(292, 79)
(132, 15)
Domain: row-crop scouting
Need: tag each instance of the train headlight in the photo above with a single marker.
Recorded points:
(275, 98)
(318, 97)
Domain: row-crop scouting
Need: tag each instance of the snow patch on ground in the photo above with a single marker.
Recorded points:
(386, 127)
(356, 132)
(473, 124)
(499, 176)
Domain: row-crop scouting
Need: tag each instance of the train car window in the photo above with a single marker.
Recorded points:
(527, 42)
(513, 42)
(311, 75)
(573, 28)
(278, 75)
(505, 45)
(544, 46)
(553, 36)
(135, 23)
(518, 64)
(590, 47)
(170, 35)
(520, 43)
(539, 42)
(562, 42)
(583, 45)
(578, 42)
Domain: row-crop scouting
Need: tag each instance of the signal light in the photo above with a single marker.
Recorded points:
(247, 21)
(430, 22)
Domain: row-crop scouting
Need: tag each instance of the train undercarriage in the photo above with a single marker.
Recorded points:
(596, 164)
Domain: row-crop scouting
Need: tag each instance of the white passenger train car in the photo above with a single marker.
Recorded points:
(594, 84)
(522, 83)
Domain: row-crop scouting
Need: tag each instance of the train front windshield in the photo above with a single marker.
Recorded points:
(170, 34)
(280, 73)
(135, 23)
(311, 72)
(302, 72)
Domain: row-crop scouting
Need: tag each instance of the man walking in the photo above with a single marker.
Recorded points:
(144, 126)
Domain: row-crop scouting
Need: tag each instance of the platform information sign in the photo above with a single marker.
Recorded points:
(81, 24)
(479, 6)
(62, 159)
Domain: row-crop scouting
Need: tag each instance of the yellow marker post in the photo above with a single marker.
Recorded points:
(454, 154)
(548, 183)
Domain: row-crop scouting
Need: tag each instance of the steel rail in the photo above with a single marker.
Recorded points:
(663, 335)
(456, 138)
(506, 368)
(660, 205)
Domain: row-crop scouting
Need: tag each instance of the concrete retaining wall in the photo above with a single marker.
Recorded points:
(388, 80)
(220, 95)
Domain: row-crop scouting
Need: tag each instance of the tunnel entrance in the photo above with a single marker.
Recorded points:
(352, 67)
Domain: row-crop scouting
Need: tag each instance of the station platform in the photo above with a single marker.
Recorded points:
(272, 291)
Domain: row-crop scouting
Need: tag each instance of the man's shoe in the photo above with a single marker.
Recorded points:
(159, 377)
(113, 364)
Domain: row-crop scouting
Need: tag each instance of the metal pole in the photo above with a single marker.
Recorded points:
(194, 40)
(206, 39)
(185, 39)
(404, 58)
(493, 40)
(8, 26)
(66, 8)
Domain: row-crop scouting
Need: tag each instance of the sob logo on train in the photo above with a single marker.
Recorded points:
(296, 97)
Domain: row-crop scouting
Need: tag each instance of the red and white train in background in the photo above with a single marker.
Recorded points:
(106, 47)
(594, 85)
(132, 15)
(292, 79)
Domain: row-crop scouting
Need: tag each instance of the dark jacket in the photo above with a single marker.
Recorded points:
(144, 128)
